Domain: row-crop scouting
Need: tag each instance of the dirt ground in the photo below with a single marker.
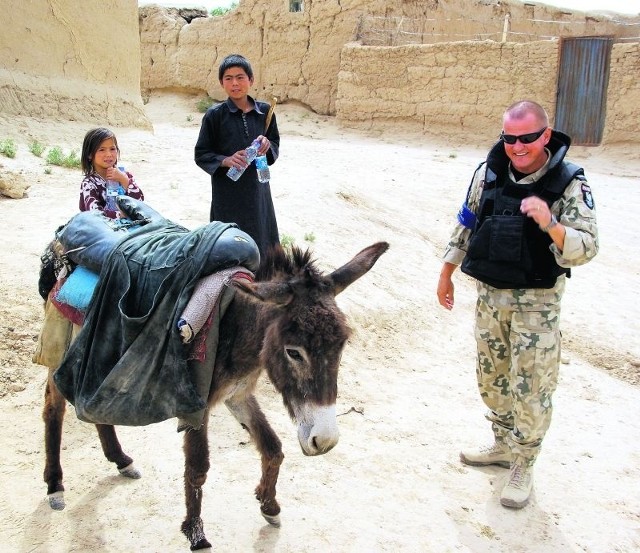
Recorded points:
(407, 398)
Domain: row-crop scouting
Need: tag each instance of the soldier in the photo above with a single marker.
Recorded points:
(528, 217)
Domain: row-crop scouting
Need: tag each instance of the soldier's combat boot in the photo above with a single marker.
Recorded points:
(518, 489)
(496, 454)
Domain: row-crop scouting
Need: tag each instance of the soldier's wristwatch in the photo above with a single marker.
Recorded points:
(551, 224)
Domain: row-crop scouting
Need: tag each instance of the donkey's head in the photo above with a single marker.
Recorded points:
(305, 335)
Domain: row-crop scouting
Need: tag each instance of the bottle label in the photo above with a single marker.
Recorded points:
(112, 193)
(262, 168)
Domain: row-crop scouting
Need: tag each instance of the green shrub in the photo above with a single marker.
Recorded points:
(204, 104)
(310, 237)
(287, 241)
(56, 156)
(36, 148)
(215, 12)
(72, 161)
(8, 147)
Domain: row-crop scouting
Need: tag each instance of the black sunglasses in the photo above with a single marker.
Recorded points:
(523, 138)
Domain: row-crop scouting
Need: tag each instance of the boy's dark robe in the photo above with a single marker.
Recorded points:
(246, 202)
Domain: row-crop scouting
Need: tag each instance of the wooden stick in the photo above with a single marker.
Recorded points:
(274, 101)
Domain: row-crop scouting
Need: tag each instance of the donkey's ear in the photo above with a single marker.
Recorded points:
(278, 293)
(358, 266)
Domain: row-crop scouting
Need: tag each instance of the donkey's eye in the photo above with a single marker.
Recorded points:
(294, 354)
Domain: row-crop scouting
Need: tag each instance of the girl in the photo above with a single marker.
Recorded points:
(100, 155)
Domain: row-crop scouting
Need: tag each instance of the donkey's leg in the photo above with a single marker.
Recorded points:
(196, 466)
(248, 413)
(56, 335)
(53, 416)
(113, 451)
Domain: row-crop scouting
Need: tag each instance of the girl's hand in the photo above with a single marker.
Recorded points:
(113, 173)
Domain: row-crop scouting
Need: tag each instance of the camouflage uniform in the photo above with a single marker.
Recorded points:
(517, 330)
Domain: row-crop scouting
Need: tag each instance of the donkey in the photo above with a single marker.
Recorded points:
(285, 322)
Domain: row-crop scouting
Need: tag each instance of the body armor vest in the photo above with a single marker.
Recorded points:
(507, 249)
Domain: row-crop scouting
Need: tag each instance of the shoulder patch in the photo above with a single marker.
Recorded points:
(586, 195)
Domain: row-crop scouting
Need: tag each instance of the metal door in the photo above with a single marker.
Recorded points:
(583, 77)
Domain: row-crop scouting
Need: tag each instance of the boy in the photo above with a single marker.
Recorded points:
(226, 131)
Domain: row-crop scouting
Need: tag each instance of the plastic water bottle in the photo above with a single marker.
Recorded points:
(263, 169)
(251, 153)
(113, 189)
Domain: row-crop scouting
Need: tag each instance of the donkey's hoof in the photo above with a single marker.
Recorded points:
(130, 472)
(202, 544)
(194, 530)
(56, 501)
(274, 520)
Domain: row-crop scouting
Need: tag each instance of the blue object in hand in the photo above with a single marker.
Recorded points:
(262, 167)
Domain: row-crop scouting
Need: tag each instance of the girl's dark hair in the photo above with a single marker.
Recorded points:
(90, 145)
(235, 60)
